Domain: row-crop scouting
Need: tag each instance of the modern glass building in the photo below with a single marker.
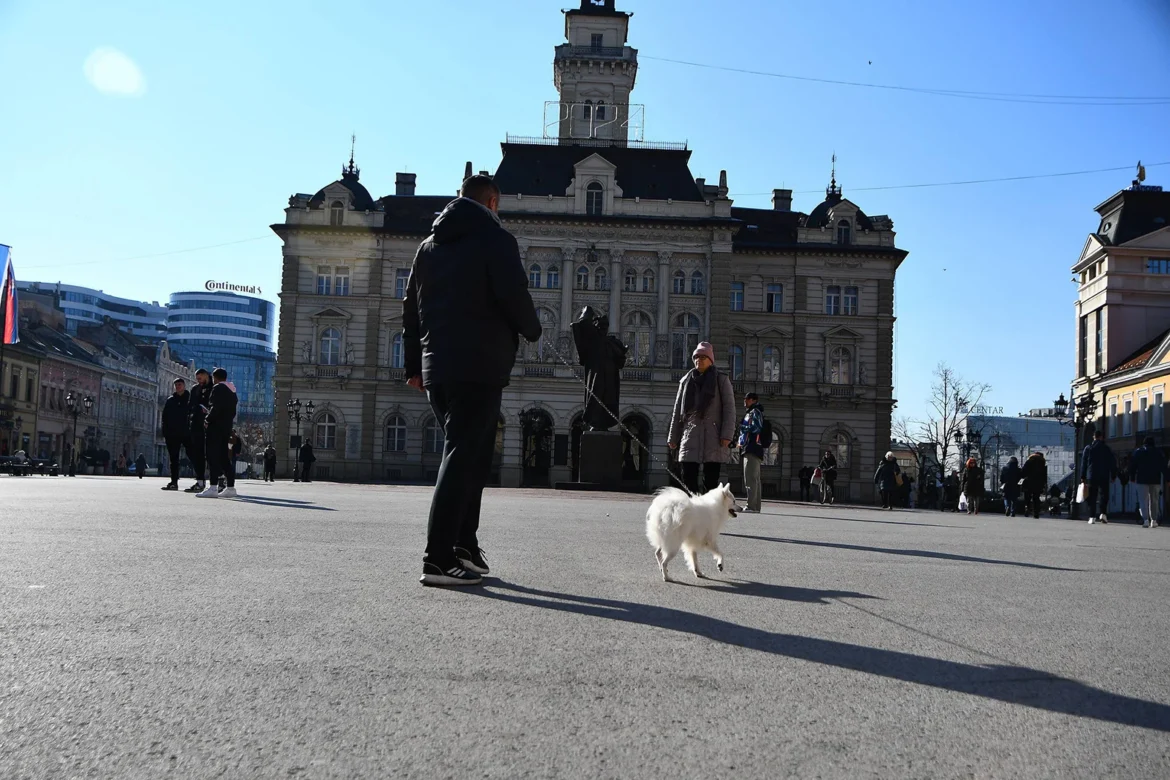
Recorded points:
(86, 306)
(235, 332)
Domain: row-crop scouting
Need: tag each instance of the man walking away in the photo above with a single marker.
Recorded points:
(221, 413)
(1146, 467)
(1009, 480)
(466, 305)
(176, 428)
(140, 465)
(235, 447)
(270, 464)
(805, 477)
(307, 460)
(1035, 473)
(751, 445)
(197, 443)
(1098, 469)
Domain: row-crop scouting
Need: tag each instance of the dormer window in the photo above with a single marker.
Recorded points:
(594, 199)
(595, 40)
(336, 212)
(843, 231)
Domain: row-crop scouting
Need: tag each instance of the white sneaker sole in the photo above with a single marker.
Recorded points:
(444, 579)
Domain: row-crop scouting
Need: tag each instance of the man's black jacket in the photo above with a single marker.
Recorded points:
(200, 397)
(222, 410)
(175, 414)
(466, 301)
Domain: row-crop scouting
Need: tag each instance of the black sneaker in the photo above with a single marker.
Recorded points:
(455, 575)
(170, 486)
(196, 488)
(474, 561)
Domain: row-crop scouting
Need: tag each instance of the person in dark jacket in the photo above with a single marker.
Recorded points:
(221, 413)
(805, 477)
(140, 465)
(1098, 469)
(197, 441)
(751, 427)
(1035, 475)
(235, 448)
(1009, 477)
(1146, 468)
(307, 459)
(270, 464)
(176, 429)
(886, 479)
(466, 305)
(828, 467)
(973, 487)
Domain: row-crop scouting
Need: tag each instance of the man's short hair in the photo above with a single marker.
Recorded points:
(219, 373)
(479, 188)
(1099, 433)
(1149, 442)
(202, 371)
(751, 397)
(179, 381)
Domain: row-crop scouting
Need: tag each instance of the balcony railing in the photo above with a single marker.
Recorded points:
(596, 52)
(548, 372)
(637, 374)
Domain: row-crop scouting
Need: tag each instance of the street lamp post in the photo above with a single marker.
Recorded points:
(75, 405)
(294, 415)
(1081, 412)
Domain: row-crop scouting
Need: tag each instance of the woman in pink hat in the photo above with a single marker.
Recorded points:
(704, 420)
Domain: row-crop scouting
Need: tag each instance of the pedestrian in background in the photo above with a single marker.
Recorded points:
(140, 465)
(1147, 467)
(886, 479)
(235, 448)
(1098, 469)
(828, 467)
(466, 306)
(702, 424)
(805, 477)
(307, 459)
(1035, 476)
(176, 429)
(270, 464)
(1009, 479)
(973, 487)
(197, 445)
(751, 429)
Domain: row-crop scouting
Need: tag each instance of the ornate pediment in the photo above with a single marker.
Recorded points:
(330, 313)
(842, 333)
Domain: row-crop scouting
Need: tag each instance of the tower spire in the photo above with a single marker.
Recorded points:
(833, 189)
(351, 169)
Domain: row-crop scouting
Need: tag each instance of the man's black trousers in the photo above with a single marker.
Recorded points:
(218, 459)
(173, 447)
(197, 452)
(469, 414)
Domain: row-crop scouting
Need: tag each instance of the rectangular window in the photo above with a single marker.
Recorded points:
(1156, 265)
(401, 277)
(1157, 411)
(341, 282)
(1127, 420)
(1143, 414)
(833, 300)
(14, 387)
(324, 280)
(28, 390)
(851, 301)
(44, 396)
(1084, 367)
(648, 282)
(1100, 365)
(1114, 430)
(737, 296)
(595, 40)
(775, 299)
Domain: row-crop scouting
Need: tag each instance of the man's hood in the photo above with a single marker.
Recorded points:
(462, 217)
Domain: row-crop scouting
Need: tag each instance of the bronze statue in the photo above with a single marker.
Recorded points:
(603, 356)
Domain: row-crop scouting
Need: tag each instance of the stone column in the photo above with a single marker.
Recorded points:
(568, 275)
(662, 323)
(616, 280)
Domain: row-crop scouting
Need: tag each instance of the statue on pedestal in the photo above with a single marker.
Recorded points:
(603, 356)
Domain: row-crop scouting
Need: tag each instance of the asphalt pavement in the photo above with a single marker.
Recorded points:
(146, 634)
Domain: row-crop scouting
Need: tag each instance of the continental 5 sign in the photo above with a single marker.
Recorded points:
(212, 286)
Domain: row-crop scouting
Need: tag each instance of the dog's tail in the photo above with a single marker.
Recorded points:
(663, 513)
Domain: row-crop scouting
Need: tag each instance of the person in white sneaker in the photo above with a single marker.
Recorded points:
(1146, 468)
(221, 413)
(1098, 469)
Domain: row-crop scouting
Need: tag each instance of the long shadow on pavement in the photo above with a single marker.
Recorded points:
(895, 551)
(862, 520)
(283, 504)
(769, 591)
(1001, 682)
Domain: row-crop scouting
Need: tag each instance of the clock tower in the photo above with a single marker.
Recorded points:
(594, 73)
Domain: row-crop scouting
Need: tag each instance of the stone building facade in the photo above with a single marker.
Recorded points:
(799, 306)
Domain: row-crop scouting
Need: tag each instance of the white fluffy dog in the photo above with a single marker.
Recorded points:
(676, 520)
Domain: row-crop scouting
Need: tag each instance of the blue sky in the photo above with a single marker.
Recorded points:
(242, 104)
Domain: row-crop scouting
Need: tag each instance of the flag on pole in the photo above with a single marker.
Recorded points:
(9, 310)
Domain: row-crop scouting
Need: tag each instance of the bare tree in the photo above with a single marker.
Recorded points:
(952, 399)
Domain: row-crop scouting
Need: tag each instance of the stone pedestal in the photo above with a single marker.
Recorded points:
(601, 457)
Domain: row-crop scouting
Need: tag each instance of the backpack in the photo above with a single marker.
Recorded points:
(766, 434)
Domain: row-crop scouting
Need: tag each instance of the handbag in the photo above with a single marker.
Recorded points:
(817, 477)
(898, 479)
(963, 502)
(1081, 493)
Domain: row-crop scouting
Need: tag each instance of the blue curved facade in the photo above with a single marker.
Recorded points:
(231, 331)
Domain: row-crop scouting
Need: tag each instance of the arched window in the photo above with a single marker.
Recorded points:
(735, 361)
(554, 277)
(326, 431)
(534, 276)
(582, 277)
(770, 366)
(679, 283)
(840, 448)
(336, 212)
(648, 281)
(432, 436)
(594, 198)
(843, 232)
(600, 279)
(395, 434)
(684, 337)
(631, 281)
(840, 366)
(330, 352)
(397, 356)
(639, 329)
(697, 287)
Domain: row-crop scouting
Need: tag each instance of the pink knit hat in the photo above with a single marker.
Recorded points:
(704, 349)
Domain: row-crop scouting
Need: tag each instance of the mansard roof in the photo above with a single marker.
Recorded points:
(548, 169)
(1141, 211)
(361, 199)
(819, 217)
(412, 214)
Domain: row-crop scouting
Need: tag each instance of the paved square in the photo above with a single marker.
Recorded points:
(151, 634)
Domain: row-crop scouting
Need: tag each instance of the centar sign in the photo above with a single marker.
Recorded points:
(212, 286)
